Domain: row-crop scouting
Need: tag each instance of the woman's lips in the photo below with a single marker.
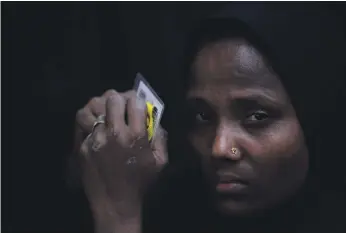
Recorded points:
(233, 187)
(231, 184)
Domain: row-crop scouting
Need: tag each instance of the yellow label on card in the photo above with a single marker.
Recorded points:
(151, 119)
(154, 104)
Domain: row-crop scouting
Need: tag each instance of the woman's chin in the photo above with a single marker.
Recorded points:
(241, 208)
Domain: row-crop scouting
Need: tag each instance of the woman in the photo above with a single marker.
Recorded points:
(256, 105)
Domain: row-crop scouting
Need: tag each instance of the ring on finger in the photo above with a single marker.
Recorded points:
(99, 120)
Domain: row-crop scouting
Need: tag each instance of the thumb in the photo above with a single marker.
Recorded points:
(159, 146)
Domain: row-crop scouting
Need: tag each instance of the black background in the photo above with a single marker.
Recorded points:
(55, 56)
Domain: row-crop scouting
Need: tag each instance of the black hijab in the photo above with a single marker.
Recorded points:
(305, 45)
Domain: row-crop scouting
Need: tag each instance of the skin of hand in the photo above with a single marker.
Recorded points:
(117, 162)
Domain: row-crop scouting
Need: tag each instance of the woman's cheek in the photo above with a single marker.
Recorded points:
(281, 141)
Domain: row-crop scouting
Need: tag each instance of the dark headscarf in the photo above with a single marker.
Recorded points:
(305, 44)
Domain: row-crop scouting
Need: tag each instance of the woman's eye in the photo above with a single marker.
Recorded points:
(257, 116)
(202, 118)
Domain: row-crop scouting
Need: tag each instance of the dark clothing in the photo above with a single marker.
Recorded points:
(305, 45)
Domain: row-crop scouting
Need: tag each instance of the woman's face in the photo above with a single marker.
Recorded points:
(244, 128)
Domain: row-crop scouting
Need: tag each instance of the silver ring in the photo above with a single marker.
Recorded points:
(99, 120)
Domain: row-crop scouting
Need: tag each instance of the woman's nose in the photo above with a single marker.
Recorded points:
(225, 146)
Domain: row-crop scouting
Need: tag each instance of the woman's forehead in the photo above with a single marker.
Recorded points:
(233, 61)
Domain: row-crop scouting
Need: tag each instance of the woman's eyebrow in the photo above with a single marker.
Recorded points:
(258, 95)
(197, 101)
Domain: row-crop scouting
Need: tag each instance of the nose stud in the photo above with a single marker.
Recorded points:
(234, 150)
(235, 153)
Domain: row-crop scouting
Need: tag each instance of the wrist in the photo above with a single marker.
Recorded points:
(106, 208)
(120, 218)
(118, 225)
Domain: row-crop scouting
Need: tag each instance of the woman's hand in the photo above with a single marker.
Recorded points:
(117, 161)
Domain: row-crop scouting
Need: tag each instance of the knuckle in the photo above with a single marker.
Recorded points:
(93, 102)
(138, 134)
(122, 138)
(116, 98)
(113, 131)
(109, 92)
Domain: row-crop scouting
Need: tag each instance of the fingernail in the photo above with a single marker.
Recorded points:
(140, 103)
